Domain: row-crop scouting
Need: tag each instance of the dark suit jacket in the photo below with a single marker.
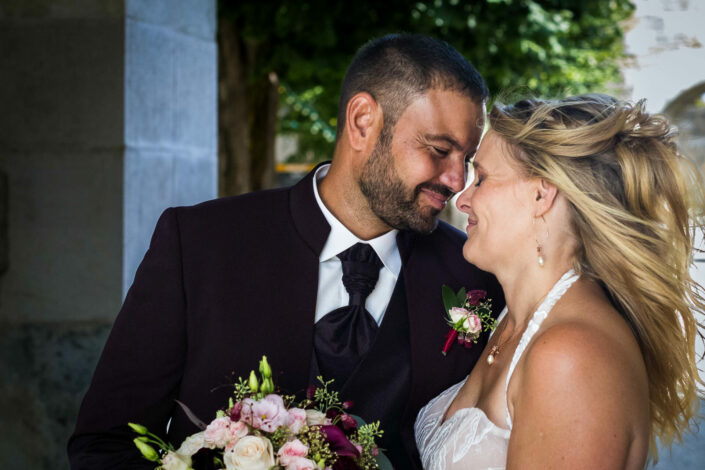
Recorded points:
(229, 280)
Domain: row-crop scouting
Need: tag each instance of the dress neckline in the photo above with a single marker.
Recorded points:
(542, 311)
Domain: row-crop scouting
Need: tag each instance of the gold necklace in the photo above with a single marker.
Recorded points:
(494, 350)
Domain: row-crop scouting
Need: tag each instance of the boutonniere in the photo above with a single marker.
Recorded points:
(468, 315)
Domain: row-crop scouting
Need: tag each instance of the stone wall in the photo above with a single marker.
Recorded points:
(108, 117)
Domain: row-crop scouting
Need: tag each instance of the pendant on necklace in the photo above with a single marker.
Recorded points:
(491, 356)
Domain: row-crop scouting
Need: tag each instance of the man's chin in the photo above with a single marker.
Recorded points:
(425, 225)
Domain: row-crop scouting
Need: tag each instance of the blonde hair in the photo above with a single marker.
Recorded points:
(635, 204)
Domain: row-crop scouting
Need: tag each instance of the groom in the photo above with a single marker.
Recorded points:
(229, 280)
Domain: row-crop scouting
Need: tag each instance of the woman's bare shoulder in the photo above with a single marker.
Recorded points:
(581, 385)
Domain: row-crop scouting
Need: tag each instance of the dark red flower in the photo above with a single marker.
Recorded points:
(347, 404)
(235, 412)
(311, 392)
(338, 441)
(348, 422)
(475, 296)
(345, 463)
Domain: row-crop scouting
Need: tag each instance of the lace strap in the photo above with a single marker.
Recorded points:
(537, 318)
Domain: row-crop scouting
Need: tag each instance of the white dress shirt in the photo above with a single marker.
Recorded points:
(331, 291)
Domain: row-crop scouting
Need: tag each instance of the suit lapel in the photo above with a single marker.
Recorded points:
(424, 276)
(293, 353)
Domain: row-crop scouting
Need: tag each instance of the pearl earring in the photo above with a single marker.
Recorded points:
(538, 252)
(539, 246)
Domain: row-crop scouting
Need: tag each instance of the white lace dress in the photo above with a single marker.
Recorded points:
(468, 440)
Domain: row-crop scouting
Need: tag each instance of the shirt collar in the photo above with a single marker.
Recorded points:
(340, 238)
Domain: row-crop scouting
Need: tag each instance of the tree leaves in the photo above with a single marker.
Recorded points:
(550, 47)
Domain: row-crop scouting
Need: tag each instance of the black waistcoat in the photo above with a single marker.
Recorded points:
(380, 385)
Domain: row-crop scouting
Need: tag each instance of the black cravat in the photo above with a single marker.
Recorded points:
(342, 337)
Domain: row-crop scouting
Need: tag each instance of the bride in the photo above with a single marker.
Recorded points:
(585, 211)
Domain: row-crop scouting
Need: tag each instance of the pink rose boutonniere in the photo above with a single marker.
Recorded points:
(468, 315)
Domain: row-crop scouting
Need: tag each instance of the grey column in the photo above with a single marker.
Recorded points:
(107, 117)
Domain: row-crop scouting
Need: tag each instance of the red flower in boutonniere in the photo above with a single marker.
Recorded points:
(469, 314)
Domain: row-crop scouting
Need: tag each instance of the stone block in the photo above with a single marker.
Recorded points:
(191, 17)
(195, 178)
(61, 83)
(65, 235)
(196, 101)
(44, 373)
(149, 189)
(156, 179)
(170, 95)
(150, 85)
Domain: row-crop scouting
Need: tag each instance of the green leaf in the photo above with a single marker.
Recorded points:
(383, 462)
(450, 300)
(462, 295)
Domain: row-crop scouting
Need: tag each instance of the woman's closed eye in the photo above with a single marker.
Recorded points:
(480, 178)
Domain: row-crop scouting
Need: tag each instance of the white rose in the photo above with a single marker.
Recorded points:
(315, 418)
(193, 444)
(176, 461)
(250, 453)
(456, 313)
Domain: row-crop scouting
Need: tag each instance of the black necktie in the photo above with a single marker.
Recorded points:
(342, 337)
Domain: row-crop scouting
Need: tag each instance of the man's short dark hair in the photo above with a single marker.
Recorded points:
(397, 68)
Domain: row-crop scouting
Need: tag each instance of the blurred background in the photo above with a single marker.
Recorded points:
(113, 110)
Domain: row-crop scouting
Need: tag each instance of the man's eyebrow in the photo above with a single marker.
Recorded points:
(445, 138)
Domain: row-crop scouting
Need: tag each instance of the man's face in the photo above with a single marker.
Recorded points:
(412, 173)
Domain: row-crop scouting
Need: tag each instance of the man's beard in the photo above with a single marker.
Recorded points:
(390, 199)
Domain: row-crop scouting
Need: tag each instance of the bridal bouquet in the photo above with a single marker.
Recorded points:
(263, 430)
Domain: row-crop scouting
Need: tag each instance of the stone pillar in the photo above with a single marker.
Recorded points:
(108, 117)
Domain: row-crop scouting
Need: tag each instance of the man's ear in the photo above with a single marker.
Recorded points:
(363, 119)
(545, 196)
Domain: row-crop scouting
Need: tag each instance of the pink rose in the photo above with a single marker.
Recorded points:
(291, 451)
(474, 324)
(296, 419)
(301, 463)
(222, 432)
(266, 414)
(475, 296)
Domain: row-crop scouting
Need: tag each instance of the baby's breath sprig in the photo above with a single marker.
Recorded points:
(242, 389)
(366, 435)
(326, 399)
(289, 400)
(318, 449)
(280, 436)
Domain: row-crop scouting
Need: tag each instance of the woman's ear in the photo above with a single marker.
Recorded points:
(363, 119)
(545, 196)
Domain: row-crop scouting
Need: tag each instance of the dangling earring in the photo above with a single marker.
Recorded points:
(539, 245)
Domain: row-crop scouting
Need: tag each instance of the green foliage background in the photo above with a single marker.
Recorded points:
(540, 47)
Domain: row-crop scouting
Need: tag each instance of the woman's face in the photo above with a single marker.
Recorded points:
(499, 209)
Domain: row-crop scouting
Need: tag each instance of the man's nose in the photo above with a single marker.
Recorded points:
(454, 174)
